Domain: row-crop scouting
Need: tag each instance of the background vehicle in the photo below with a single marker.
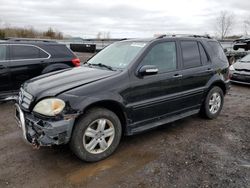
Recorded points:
(22, 59)
(240, 71)
(129, 87)
(243, 42)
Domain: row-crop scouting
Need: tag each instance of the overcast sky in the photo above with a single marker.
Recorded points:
(122, 18)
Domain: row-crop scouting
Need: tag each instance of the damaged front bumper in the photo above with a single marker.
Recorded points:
(40, 132)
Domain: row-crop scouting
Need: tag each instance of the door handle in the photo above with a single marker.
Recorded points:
(177, 76)
(209, 70)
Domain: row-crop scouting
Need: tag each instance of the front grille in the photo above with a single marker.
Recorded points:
(246, 70)
(24, 99)
(241, 77)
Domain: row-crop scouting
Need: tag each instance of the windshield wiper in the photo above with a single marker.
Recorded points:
(102, 65)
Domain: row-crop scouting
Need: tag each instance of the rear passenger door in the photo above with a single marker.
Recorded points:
(5, 83)
(27, 61)
(196, 71)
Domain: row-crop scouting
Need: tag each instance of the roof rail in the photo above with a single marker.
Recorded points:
(30, 40)
(184, 35)
(161, 36)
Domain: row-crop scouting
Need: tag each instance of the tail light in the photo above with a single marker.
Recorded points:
(76, 62)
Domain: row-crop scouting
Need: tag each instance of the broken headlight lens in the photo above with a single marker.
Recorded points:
(49, 107)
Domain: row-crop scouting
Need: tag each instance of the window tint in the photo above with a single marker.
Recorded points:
(59, 51)
(217, 49)
(3, 52)
(24, 52)
(163, 56)
(204, 57)
(190, 54)
(43, 54)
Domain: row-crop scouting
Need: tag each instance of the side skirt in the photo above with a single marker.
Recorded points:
(136, 130)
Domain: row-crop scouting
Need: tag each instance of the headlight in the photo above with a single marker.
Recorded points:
(231, 68)
(49, 107)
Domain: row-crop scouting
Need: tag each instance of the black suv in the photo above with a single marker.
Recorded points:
(23, 59)
(129, 87)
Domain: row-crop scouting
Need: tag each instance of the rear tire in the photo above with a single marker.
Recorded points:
(213, 103)
(96, 135)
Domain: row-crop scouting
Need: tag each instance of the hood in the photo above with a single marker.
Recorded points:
(241, 66)
(54, 83)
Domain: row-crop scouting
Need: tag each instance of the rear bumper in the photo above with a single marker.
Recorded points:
(43, 132)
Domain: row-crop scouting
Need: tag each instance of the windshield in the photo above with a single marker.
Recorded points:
(246, 59)
(118, 55)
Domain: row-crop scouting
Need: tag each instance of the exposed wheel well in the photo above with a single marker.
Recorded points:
(114, 107)
(219, 84)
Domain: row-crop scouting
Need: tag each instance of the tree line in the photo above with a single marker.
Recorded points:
(29, 33)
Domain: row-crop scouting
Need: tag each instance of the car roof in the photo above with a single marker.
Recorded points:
(38, 43)
(191, 37)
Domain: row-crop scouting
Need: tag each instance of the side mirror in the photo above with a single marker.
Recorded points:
(148, 70)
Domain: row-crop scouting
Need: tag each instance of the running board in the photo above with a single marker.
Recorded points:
(163, 121)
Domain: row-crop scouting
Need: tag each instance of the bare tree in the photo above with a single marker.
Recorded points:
(98, 36)
(107, 35)
(246, 25)
(224, 23)
(103, 35)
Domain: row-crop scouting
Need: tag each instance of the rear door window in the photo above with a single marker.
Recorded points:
(20, 52)
(190, 54)
(3, 52)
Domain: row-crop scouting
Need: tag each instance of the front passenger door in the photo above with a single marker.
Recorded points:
(154, 96)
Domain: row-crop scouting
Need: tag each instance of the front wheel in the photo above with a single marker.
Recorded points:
(213, 103)
(96, 135)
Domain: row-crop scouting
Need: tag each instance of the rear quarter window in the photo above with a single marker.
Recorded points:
(60, 51)
(218, 50)
(204, 56)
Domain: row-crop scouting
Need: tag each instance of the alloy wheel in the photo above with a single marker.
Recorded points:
(98, 136)
(214, 103)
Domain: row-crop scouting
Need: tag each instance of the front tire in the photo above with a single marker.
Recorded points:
(213, 103)
(96, 135)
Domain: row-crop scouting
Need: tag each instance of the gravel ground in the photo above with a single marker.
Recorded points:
(192, 152)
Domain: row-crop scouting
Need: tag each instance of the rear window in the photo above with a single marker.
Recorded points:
(3, 52)
(190, 54)
(218, 51)
(60, 51)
